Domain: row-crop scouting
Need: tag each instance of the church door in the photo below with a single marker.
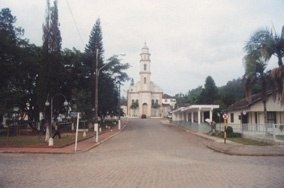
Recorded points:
(144, 109)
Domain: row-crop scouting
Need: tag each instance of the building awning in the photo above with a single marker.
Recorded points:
(195, 108)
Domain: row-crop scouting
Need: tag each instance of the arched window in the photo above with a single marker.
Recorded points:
(145, 80)
(145, 67)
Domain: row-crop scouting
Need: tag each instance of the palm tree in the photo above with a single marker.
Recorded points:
(265, 44)
(255, 66)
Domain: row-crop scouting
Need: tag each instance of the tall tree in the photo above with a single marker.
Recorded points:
(231, 92)
(18, 66)
(194, 95)
(210, 92)
(95, 45)
(10, 40)
(116, 75)
(50, 75)
(265, 44)
(255, 67)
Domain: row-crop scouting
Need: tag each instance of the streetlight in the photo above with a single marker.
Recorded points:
(97, 72)
(97, 84)
(47, 103)
(119, 122)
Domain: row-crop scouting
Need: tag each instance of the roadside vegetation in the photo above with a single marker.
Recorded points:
(39, 140)
(237, 137)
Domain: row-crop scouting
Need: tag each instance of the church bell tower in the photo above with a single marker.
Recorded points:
(145, 74)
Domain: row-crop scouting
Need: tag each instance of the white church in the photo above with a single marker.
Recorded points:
(144, 99)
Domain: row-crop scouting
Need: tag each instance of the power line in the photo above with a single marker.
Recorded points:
(74, 21)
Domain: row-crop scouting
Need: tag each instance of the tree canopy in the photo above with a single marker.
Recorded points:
(31, 75)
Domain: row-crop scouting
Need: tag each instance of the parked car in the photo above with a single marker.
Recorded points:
(143, 116)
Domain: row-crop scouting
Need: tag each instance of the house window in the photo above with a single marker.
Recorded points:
(144, 80)
(232, 117)
(271, 117)
(145, 67)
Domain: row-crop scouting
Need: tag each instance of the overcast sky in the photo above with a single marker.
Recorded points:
(188, 39)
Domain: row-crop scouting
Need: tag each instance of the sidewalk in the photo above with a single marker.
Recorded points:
(82, 146)
(232, 148)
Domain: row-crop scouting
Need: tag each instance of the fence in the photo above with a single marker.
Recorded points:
(264, 132)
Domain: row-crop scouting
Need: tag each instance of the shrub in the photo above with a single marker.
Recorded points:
(229, 131)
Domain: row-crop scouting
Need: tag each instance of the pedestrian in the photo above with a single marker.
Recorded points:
(213, 126)
(56, 131)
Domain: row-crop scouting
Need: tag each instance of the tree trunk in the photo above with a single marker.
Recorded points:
(280, 62)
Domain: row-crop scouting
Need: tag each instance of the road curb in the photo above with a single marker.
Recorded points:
(231, 151)
(63, 152)
(102, 141)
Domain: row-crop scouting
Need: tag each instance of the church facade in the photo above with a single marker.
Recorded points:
(144, 99)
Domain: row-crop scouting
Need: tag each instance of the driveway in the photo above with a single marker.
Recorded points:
(145, 154)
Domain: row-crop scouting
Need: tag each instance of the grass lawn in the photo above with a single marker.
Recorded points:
(247, 141)
(31, 140)
(280, 137)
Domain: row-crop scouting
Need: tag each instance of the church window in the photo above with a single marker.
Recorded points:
(145, 67)
(144, 80)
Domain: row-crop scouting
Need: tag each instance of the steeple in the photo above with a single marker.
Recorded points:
(145, 73)
(145, 55)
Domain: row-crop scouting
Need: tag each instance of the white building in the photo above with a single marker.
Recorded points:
(252, 112)
(194, 113)
(248, 118)
(168, 104)
(144, 97)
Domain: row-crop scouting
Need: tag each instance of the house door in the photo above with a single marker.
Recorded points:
(144, 109)
(245, 119)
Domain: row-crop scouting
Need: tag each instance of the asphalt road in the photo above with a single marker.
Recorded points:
(144, 154)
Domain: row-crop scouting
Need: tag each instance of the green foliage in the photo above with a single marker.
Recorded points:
(51, 33)
(155, 105)
(30, 75)
(210, 92)
(229, 131)
(194, 94)
(224, 95)
(231, 92)
(262, 45)
(51, 72)
(134, 105)
(18, 66)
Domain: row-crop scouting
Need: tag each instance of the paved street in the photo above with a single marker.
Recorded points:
(144, 154)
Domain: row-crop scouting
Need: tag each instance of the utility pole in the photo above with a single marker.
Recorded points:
(119, 122)
(96, 126)
(97, 86)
